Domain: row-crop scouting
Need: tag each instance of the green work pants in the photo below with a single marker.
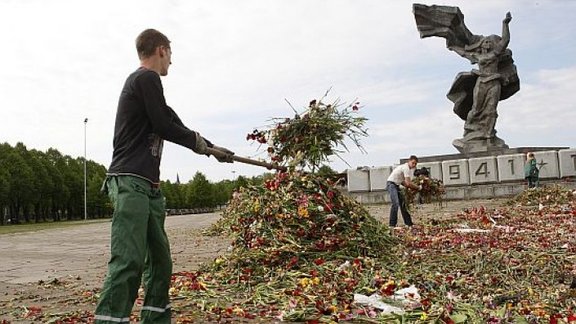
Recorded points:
(140, 253)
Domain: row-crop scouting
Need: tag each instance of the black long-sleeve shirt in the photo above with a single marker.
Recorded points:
(143, 122)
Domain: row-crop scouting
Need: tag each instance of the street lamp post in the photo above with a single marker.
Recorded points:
(85, 185)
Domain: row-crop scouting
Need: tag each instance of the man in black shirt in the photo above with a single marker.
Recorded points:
(140, 251)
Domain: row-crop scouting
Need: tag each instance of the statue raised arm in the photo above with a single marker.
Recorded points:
(490, 47)
(476, 93)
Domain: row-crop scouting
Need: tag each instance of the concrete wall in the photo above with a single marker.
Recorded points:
(477, 177)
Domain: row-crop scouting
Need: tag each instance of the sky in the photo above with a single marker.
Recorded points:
(238, 64)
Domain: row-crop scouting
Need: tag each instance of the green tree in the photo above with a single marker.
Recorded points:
(223, 192)
(22, 185)
(74, 179)
(200, 192)
(168, 192)
(37, 186)
(43, 183)
(34, 182)
(60, 191)
(326, 171)
(5, 149)
(241, 182)
(97, 201)
(174, 194)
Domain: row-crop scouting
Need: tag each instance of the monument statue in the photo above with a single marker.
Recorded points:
(475, 94)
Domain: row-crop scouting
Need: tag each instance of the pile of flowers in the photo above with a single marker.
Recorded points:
(432, 191)
(310, 138)
(303, 251)
(300, 247)
(548, 195)
(513, 264)
(297, 214)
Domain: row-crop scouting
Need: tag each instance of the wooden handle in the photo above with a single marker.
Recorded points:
(241, 159)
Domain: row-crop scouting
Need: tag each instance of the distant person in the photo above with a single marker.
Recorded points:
(401, 175)
(140, 251)
(531, 172)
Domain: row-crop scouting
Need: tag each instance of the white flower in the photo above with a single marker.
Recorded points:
(452, 297)
(344, 265)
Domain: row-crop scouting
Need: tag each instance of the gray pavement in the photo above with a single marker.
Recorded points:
(73, 251)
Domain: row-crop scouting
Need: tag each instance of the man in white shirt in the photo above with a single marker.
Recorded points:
(401, 175)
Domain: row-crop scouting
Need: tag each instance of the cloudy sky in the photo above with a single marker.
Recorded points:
(237, 63)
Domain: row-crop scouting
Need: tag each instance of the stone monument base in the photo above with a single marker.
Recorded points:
(474, 175)
(515, 150)
(493, 146)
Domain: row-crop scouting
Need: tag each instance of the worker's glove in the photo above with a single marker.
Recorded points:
(225, 157)
(200, 146)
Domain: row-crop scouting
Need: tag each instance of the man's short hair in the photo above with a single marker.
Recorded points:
(413, 158)
(148, 41)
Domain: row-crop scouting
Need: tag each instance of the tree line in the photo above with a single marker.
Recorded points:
(199, 193)
(38, 186)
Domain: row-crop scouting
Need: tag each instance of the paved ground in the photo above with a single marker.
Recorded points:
(72, 251)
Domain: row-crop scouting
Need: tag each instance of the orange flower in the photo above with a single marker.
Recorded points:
(302, 211)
